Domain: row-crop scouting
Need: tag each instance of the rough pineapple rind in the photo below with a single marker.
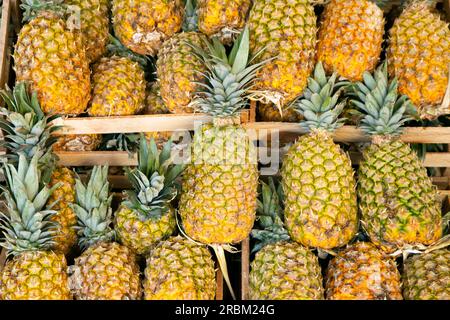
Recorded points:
(400, 206)
(285, 29)
(141, 235)
(143, 25)
(419, 56)
(178, 70)
(78, 142)
(105, 271)
(363, 272)
(350, 37)
(218, 200)
(269, 112)
(52, 59)
(154, 102)
(118, 87)
(35, 275)
(427, 276)
(179, 269)
(320, 198)
(285, 271)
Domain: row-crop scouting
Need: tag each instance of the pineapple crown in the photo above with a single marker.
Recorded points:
(26, 225)
(128, 142)
(93, 208)
(377, 101)
(190, 22)
(270, 216)
(33, 8)
(153, 180)
(228, 78)
(115, 47)
(319, 105)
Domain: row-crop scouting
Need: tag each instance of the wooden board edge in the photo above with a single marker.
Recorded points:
(4, 42)
(245, 268)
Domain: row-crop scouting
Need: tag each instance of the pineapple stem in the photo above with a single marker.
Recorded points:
(220, 254)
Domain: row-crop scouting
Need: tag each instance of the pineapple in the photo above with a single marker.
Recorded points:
(94, 25)
(178, 68)
(27, 129)
(143, 25)
(105, 270)
(282, 269)
(222, 18)
(218, 198)
(419, 56)
(350, 37)
(118, 83)
(78, 142)
(154, 102)
(400, 206)
(317, 176)
(146, 217)
(50, 56)
(269, 112)
(362, 272)
(427, 276)
(179, 269)
(285, 31)
(34, 272)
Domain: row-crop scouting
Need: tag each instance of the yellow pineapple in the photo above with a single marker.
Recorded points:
(78, 142)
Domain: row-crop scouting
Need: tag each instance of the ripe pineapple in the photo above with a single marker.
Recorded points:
(34, 272)
(350, 37)
(281, 270)
(269, 112)
(286, 32)
(363, 272)
(178, 68)
(427, 276)
(218, 199)
(78, 142)
(317, 176)
(118, 83)
(154, 102)
(419, 56)
(105, 270)
(94, 25)
(146, 217)
(143, 25)
(179, 269)
(222, 18)
(400, 206)
(50, 56)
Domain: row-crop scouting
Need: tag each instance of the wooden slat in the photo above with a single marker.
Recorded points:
(245, 268)
(4, 43)
(93, 158)
(219, 284)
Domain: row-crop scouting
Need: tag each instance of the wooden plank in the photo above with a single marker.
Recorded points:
(245, 268)
(4, 43)
(93, 158)
(219, 284)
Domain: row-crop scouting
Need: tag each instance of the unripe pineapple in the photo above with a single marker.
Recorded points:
(427, 276)
(269, 112)
(317, 176)
(143, 25)
(222, 18)
(419, 56)
(78, 142)
(146, 217)
(350, 37)
(363, 272)
(400, 206)
(286, 32)
(49, 54)
(281, 270)
(105, 270)
(179, 269)
(94, 20)
(34, 272)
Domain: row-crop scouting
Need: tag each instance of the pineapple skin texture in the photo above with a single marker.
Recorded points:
(67, 236)
(105, 271)
(219, 189)
(143, 25)
(178, 70)
(52, 59)
(399, 205)
(219, 17)
(35, 275)
(320, 198)
(350, 37)
(154, 102)
(363, 272)
(94, 19)
(286, 29)
(179, 269)
(141, 235)
(78, 142)
(269, 112)
(419, 56)
(285, 271)
(118, 88)
(427, 276)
